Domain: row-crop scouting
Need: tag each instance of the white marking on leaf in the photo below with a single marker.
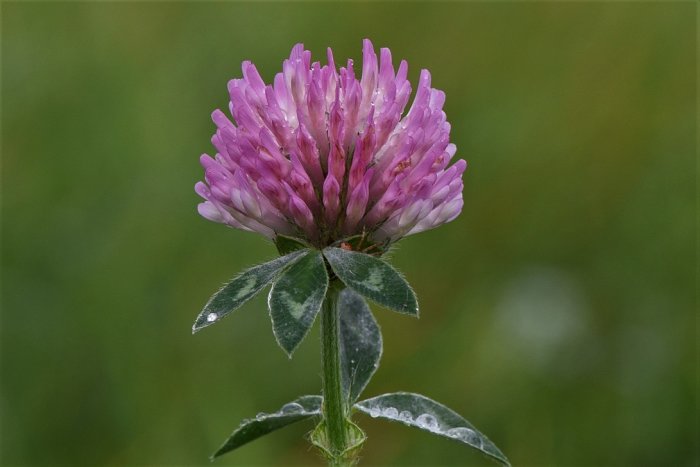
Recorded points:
(246, 288)
(374, 280)
(296, 309)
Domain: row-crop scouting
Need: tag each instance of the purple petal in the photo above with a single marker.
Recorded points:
(321, 154)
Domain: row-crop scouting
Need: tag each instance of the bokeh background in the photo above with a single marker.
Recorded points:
(558, 312)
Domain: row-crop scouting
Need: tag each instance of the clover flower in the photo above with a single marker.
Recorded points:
(328, 167)
(322, 155)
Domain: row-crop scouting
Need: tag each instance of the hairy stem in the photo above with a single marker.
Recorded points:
(334, 410)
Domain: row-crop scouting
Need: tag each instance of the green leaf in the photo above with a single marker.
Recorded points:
(360, 344)
(420, 412)
(296, 298)
(299, 409)
(373, 278)
(241, 289)
(286, 245)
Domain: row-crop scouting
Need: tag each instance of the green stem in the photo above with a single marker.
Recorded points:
(334, 410)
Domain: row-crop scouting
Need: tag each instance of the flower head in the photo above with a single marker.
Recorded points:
(322, 155)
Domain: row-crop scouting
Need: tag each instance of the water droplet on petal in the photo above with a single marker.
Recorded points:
(390, 412)
(406, 416)
(211, 317)
(291, 408)
(427, 422)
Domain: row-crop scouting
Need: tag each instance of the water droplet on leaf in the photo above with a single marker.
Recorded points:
(427, 422)
(465, 434)
(292, 407)
(211, 317)
(374, 412)
(390, 412)
(406, 416)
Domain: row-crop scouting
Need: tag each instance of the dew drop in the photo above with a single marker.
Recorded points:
(374, 412)
(390, 412)
(427, 421)
(211, 317)
(260, 416)
(406, 416)
(459, 432)
(292, 407)
(465, 434)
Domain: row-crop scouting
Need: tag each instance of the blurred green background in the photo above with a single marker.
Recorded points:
(558, 312)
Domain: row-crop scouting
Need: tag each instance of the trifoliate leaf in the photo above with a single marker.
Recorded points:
(296, 298)
(373, 278)
(264, 423)
(360, 344)
(241, 289)
(418, 411)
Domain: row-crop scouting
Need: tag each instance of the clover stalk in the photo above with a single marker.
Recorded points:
(334, 407)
